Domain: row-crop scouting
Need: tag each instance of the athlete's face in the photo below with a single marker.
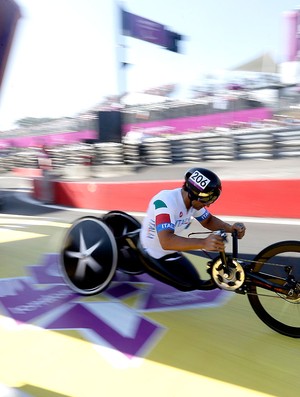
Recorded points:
(198, 205)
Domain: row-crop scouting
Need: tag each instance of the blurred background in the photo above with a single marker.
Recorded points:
(93, 83)
(93, 88)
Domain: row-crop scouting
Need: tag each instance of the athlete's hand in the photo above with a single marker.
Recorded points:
(240, 228)
(213, 243)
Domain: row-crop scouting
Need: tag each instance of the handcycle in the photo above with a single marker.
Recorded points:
(95, 248)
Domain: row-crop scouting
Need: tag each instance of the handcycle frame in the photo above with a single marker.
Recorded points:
(95, 248)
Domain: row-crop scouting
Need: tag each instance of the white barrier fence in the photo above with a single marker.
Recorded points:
(187, 148)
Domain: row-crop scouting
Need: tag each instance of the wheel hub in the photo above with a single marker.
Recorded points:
(229, 277)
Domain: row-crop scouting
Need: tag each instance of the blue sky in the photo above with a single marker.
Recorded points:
(64, 56)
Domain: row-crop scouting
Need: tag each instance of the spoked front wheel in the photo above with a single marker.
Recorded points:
(280, 264)
(89, 256)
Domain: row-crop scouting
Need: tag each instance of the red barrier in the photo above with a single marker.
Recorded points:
(257, 198)
(260, 198)
(126, 196)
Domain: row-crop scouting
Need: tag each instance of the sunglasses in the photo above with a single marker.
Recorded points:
(206, 202)
(209, 199)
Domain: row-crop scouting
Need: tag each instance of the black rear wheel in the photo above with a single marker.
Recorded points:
(89, 256)
(121, 224)
(280, 311)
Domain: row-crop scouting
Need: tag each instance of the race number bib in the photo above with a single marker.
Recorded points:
(199, 180)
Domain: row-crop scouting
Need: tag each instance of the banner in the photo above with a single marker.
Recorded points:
(150, 31)
(143, 29)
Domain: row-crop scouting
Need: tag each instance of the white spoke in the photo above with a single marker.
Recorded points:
(83, 263)
(73, 254)
(92, 249)
(84, 257)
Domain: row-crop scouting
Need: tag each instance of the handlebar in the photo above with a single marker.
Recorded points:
(234, 244)
(223, 234)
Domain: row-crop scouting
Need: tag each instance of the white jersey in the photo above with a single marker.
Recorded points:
(166, 210)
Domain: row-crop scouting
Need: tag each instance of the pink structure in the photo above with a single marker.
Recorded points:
(48, 140)
(292, 19)
(197, 123)
(160, 127)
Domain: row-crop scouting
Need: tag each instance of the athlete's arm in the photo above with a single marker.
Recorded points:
(171, 241)
(214, 223)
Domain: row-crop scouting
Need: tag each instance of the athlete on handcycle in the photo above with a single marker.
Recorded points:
(169, 213)
(94, 249)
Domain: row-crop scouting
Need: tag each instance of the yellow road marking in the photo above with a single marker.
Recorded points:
(7, 235)
(32, 222)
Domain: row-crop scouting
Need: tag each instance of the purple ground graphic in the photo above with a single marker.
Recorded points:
(44, 298)
(156, 296)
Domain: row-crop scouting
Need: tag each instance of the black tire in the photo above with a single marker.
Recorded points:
(89, 256)
(121, 223)
(279, 312)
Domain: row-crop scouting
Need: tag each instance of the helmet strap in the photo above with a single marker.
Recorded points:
(191, 197)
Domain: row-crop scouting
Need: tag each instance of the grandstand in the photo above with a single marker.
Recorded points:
(159, 129)
(158, 107)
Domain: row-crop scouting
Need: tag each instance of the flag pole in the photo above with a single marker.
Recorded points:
(120, 52)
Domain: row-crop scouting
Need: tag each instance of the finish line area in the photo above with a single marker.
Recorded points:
(138, 336)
